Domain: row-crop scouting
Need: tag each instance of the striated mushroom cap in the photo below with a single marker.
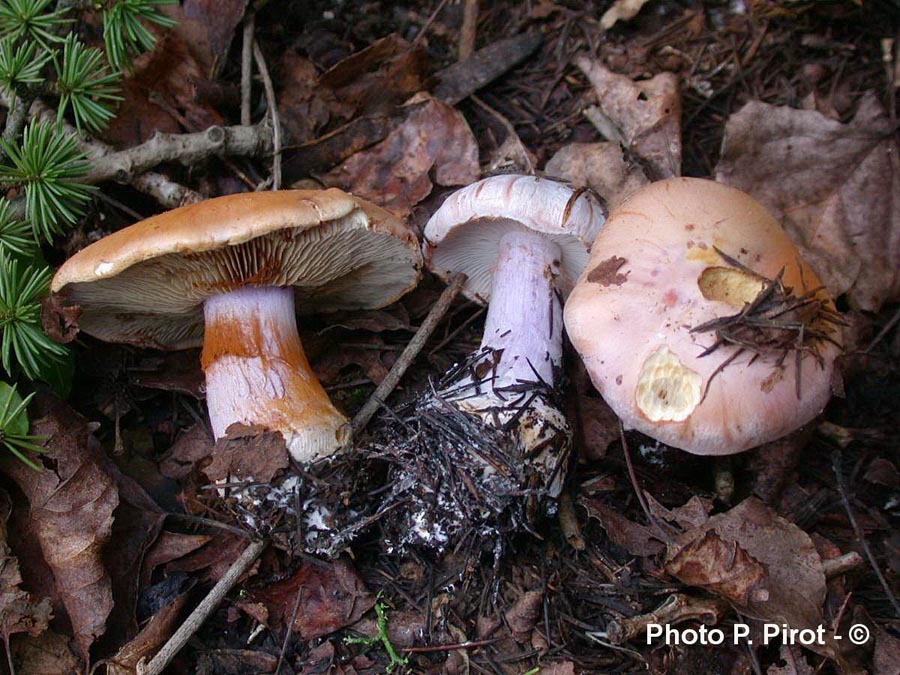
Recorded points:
(145, 284)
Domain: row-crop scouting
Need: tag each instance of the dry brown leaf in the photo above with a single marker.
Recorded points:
(764, 564)
(835, 188)
(332, 596)
(694, 513)
(169, 546)
(215, 22)
(48, 654)
(635, 538)
(167, 90)
(523, 616)
(599, 166)
(384, 74)
(71, 504)
(191, 447)
(248, 453)
(647, 113)
(622, 10)
(301, 107)
(148, 641)
(717, 565)
(433, 140)
(794, 663)
(19, 612)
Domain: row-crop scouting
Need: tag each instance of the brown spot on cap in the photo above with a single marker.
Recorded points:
(607, 272)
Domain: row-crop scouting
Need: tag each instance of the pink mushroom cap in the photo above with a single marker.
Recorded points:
(654, 275)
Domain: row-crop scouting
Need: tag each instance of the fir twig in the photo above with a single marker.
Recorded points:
(14, 425)
(22, 341)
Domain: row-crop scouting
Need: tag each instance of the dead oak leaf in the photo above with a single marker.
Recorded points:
(248, 453)
(834, 187)
(71, 504)
(635, 538)
(331, 596)
(646, 113)
(765, 565)
(433, 140)
(599, 166)
(717, 565)
(19, 612)
(47, 654)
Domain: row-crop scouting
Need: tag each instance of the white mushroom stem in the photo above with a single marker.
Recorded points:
(524, 318)
(257, 372)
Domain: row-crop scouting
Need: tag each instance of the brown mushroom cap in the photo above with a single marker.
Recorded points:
(145, 284)
(654, 275)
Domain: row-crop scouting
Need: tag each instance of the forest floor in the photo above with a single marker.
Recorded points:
(374, 97)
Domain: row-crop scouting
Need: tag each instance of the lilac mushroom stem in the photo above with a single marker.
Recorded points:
(524, 319)
(257, 372)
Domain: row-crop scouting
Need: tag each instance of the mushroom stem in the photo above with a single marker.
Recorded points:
(257, 373)
(524, 318)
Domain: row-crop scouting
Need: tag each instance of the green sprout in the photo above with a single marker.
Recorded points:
(46, 164)
(85, 84)
(31, 20)
(14, 426)
(381, 622)
(22, 340)
(124, 32)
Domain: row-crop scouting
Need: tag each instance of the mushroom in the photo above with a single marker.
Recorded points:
(522, 241)
(699, 322)
(226, 274)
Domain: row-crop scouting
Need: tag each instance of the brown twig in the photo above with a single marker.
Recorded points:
(124, 166)
(409, 354)
(247, 67)
(430, 20)
(842, 489)
(290, 629)
(675, 609)
(468, 30)
(273, 113)
(204, 609)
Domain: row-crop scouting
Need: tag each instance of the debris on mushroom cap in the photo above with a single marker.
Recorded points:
(700, 324)
(145, 284)
(464, 234)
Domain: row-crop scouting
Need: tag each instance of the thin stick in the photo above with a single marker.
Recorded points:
(409, 354)
(468, 30)
(273, 111)
(290, 630)
(247, 67)
(842, 489)
(884, 331)
(428, 22)
(633, 476)
(204, 609)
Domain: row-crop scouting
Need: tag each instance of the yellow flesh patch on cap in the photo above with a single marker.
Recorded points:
(731, 286)
(667, 391)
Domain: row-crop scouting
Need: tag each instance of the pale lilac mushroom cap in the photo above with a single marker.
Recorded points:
(655, 274)
(464, 234)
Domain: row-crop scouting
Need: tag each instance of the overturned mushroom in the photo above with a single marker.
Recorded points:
(699, 322)
(522, 241)
(226, 274)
